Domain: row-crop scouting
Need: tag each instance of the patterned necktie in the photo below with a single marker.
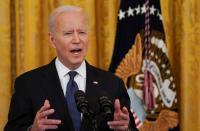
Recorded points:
(72, 87)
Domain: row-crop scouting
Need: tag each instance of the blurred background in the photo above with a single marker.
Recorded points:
(24, 45)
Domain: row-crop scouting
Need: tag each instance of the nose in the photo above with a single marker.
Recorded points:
(76, 38)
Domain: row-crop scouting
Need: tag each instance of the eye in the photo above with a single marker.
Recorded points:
(82, 32)
(67, 33)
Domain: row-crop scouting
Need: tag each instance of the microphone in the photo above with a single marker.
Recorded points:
(82, 103)
(83, 107)
(106, 106)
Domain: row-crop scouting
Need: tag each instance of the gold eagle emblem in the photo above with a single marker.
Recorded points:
(130, 66)
(131, 63)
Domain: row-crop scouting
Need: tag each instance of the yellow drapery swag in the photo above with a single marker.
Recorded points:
(24, 45)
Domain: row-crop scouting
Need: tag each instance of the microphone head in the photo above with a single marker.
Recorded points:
(78, 94)
(106, 106)
(81, 103)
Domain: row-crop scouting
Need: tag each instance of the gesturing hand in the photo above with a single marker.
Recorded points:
(121, 118)
(41, 122)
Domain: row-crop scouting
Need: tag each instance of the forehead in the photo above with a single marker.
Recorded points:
(72, 17)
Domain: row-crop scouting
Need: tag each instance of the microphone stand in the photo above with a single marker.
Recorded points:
(92, 120)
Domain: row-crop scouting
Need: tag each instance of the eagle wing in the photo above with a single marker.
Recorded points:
(131, 63)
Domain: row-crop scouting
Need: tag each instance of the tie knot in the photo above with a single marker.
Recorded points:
(72, 74)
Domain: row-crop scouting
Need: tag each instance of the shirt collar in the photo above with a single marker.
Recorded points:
(63, 70)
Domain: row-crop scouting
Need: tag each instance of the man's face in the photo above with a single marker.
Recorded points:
(70, 38)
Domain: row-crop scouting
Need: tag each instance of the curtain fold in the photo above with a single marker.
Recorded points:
(5, 64)
(24, 45)
(182, 26)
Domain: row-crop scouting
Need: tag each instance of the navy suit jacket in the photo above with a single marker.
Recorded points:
(33, 87)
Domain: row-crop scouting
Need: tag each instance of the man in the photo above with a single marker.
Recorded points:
(42, 98)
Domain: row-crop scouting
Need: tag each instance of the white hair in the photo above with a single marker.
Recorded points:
(61, 9)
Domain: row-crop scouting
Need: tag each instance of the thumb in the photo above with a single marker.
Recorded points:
(46, 103)
(117, 106)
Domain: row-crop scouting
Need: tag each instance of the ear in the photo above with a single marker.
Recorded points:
(52, 39)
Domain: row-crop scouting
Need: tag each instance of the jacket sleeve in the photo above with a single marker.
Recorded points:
(125, 101)
(20, 116)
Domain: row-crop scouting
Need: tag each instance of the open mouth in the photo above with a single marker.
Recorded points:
(76, 50)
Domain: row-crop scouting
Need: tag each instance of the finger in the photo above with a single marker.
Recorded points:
(124, 116)
(125, 110)
(50, 122)
(121, 128)
(46, 103)
(45, 127)
(117, 106)
(118, 123)
(45, 106)
(46, 113)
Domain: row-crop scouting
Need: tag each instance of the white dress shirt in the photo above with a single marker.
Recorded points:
(80, 78)
(63, 75)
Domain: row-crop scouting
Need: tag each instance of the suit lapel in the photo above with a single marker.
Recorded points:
(94, 90)
(93, 85)
(56, 95)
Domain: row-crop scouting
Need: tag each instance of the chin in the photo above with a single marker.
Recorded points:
(77, 63)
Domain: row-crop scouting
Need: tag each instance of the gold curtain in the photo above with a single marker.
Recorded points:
(24, 45)
(24, 38)
(182, 27)
(5, 64)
